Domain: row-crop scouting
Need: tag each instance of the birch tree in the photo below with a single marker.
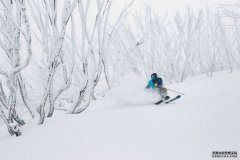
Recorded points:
(52, 40)
(14, 25)
(94, 48)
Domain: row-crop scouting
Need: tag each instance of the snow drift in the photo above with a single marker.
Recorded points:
(124, 124)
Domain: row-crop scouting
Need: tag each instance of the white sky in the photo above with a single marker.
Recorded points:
(171, 6)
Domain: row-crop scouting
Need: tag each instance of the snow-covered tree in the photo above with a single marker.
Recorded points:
(52, 40)
(94, 49)
(14, 27)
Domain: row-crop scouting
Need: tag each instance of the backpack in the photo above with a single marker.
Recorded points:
(157, 82)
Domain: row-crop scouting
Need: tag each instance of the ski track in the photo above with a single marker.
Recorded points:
(126, 125)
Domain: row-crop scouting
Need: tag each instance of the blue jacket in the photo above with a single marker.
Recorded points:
(155, 83)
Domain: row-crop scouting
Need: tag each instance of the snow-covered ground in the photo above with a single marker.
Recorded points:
(124, 124)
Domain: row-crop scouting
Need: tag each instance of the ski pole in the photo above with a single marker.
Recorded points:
(175, 91)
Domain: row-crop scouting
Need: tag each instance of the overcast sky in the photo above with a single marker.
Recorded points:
(180, 4)
(172, 5)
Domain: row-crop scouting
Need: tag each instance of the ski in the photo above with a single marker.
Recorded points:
(161, 101)
(171, 100)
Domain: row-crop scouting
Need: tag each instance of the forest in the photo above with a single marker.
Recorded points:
(53, 54)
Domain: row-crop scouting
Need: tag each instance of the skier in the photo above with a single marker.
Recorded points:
(157, 83)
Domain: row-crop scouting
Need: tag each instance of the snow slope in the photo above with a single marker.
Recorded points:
(124, 124)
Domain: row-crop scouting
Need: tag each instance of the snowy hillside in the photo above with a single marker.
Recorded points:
(124, 124)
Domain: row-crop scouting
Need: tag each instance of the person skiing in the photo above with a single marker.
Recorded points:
(157, 83)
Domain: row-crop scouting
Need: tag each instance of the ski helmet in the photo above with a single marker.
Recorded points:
(154, 75)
